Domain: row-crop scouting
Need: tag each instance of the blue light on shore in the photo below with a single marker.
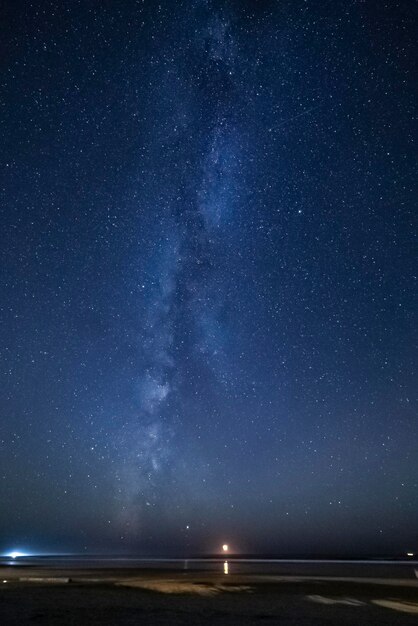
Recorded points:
(15, 554)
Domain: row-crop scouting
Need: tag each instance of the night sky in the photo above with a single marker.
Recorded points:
(208, 276)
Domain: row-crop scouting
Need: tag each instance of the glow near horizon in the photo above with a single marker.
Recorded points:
(15, 554)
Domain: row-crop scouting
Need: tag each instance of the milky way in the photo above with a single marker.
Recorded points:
(184, 320)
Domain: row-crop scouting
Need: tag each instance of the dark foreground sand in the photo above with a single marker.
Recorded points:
(196, 599)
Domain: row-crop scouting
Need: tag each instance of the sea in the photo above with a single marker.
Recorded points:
(345, 568)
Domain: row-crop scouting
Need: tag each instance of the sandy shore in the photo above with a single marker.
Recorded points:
(110, 597)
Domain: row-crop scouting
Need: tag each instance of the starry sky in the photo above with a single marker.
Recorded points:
(207, 276)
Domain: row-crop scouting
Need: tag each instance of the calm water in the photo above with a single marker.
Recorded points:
(279, 567)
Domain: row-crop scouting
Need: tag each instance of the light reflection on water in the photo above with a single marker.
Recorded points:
(232, 566)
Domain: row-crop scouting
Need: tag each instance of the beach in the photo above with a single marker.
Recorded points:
(45, 594)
